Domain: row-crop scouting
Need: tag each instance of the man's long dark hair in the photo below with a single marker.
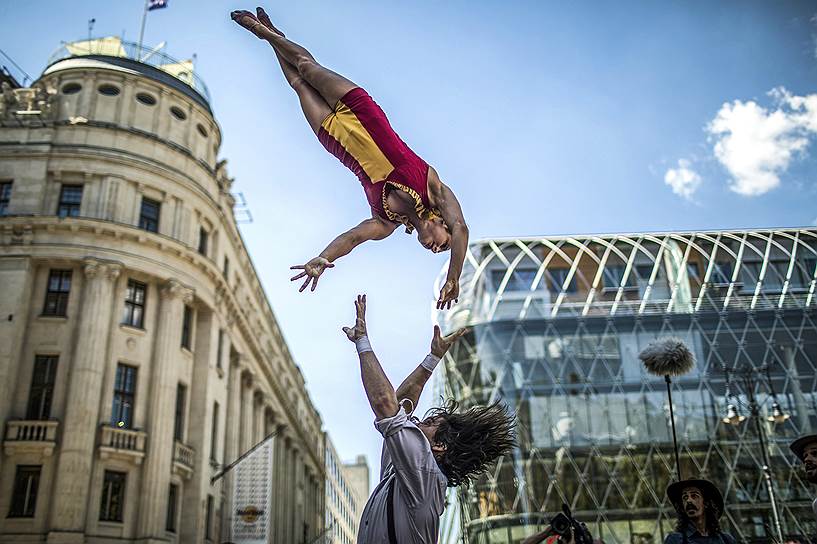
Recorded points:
(713, 526)
(473, 439)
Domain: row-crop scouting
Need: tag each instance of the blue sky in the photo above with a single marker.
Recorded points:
(544, 118)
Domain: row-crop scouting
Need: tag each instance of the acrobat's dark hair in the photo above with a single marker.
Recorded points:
(473, 439)
(713, 526)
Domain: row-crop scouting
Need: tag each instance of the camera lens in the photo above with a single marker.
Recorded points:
(560, 524)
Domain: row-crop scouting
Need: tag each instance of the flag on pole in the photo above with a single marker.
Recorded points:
(156, 4)
(252, 496)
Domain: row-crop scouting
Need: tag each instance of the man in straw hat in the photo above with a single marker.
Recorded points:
(699, 505)
(805, 448)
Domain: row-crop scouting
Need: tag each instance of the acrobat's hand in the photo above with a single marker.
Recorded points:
(449, 294)
(359, 330)
(440, 343)
(312, 270)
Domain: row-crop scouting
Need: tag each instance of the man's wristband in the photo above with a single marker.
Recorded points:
(430, 362)
(362, 344)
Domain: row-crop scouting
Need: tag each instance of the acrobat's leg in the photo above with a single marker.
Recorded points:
(330, 85)
(313, 105)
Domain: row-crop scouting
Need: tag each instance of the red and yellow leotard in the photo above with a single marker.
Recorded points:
(358, 133)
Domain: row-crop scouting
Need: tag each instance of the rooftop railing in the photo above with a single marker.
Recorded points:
(152, 56)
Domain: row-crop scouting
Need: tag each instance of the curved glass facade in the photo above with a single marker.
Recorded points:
(555, 328)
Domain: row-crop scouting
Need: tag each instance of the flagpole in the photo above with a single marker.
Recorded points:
(142, 31)
(226, 469)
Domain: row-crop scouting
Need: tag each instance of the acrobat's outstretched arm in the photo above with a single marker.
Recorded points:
(446, 202)
(379, 389)
(373, 228)
(412, 386)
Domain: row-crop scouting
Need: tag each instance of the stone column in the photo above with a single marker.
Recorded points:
(161, 403)
(17, 277)
(281, 484)
(259, 415)
(318, 502)
(276, 481)
(82, 409)
(289, 492)
(231, 436)
(247, 413)
(292, 492)
(269, 420)
(308, 506)
(298, 515)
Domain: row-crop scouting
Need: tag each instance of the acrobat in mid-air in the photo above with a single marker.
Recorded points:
(401, 188)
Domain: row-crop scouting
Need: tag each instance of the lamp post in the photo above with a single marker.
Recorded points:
(734, 417)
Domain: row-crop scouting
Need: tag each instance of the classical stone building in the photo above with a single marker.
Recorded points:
(345, 495)
(357, 477)
(138, 352)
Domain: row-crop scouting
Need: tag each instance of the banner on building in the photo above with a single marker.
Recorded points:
(252, 496)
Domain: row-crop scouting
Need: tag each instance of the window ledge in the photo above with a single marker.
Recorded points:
(49, 317)
(133, 330)
(187, 351)
(110, 523)
(220, 372)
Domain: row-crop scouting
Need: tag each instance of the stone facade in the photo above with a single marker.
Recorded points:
(345, 496)
(138, 352)
(357, 476)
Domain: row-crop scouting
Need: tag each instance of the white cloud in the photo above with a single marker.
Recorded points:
(756, 144)
(683, 180)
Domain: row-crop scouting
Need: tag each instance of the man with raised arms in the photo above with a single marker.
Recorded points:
(421, 458)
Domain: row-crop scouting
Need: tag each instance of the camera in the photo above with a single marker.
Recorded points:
(561, 524)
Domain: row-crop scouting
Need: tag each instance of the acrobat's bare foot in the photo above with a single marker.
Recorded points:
(249, 21)
(264, 18)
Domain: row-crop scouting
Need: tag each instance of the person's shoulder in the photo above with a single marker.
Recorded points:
(728, 539)
(673, 538)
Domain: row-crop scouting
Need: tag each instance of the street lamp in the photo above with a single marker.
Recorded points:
(733, 417)
(777, 415)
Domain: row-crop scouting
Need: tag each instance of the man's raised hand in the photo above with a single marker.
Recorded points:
(359, 330)
(312, 270)
(440, 343)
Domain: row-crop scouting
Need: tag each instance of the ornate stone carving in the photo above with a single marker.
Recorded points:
(18, 235)
(112, 270)
(224, 181)
(175, 289)
(94, 268)
(32, 102)
(44, 98)
(8, 100)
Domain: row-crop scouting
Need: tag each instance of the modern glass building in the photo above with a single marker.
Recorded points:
(555, 328)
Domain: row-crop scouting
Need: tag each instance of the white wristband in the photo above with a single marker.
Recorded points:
(430, 362)
(362, 344)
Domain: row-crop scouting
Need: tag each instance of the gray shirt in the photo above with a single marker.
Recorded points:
(419, 487)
